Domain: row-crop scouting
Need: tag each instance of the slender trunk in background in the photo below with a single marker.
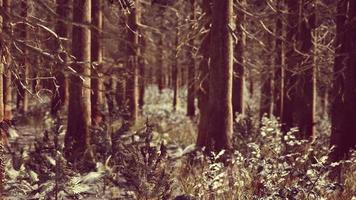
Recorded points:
(220, 77)
(77, 139)
(238, 78)
(160, 57)
(175, 71)
(191, 85)
(96, 57)
(132, 64)
(7, 68)
(344, 91)
(142, 76)
(22, 83)
(266, 101)
(60, 87)
(291, 64)
(120, 91)
(278, 92)
(304, 101)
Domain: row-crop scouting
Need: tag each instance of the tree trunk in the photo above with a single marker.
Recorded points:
(220, 77)
(60, 87)
(291, 63)
(120, 96)
(7, 71)
(305, 85)
(2, 134)
(175, 71)
(160, 78)
(203, 78)
(266, 101)
(23, 83)
(142, 76)
(132, 64)
(278, 64)
(203, 93)
(344, 90)
(191, 71)
(96, 57)
(238, 78)
(77, 140)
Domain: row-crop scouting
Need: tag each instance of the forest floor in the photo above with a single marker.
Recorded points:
(172, 128)
(157, 159)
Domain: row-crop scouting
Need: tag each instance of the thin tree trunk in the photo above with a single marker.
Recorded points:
(60, 87)
(2, 134)
(160, 78)
(278, 63)
(96, 57)
(305, 85)
(132, 64)
(220, 77)
(175, 71)
(142, 76)
(7, 70)
(238, 78)
(291, 63)
(77, 140)
(191, 70)
(266, 101)
(22, 83)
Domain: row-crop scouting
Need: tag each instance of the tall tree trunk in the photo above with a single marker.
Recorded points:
(220, 77)
(77, 140)
(159, 73)
(132, 64)
(142, 76)
(238, 78)
(7, 70)
(23, 83)
(203, 78)
(344, 90)
(278, 93)
(203, 93)
(175, 71)
(60, 87)
(266, 101)
(2, 134)
(96, 57)
(305, 85)
(291, 63)
(191, 70)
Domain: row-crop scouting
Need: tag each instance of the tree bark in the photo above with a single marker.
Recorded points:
(291, 63)
(7, 87)
(278, 93)
(96, 57)
(175, 71)
(142, 76)
(60, 86)
(23, 83)
(191, 70)
(266, 101)
(344, 90)
(305, 85)
(238, 78)
(132, 64)
(77, 140)
(2, 134)
(220, 77)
